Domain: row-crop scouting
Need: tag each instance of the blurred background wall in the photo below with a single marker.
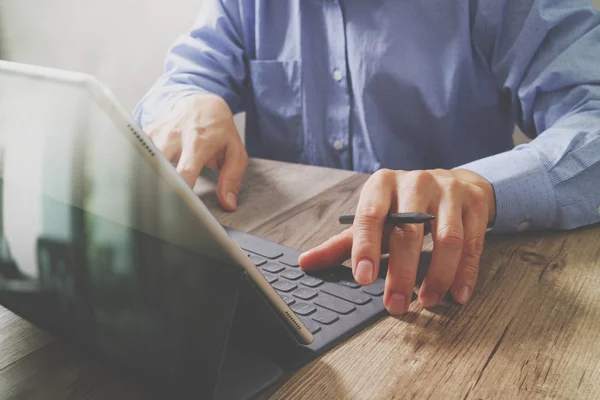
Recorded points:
(122, 42)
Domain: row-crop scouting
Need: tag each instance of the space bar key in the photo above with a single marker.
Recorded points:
(334, 304)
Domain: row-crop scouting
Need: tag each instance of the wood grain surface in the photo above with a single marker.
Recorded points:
(531, 329)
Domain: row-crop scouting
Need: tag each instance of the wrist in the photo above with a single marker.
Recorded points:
(205, 103)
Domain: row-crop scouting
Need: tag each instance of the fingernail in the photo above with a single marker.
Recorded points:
(430, 300)
(397, 304)
(231, 199)
(464, 294)
(364, 271)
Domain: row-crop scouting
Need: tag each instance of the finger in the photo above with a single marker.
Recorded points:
(405, 242)
(230, 177)
(475, 225)
(332, 252)
(374, 205)
(447, 246)
(195, 153)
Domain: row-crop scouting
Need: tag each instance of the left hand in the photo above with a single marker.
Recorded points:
(464, 204)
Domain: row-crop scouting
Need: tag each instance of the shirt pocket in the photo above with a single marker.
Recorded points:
(277, 90)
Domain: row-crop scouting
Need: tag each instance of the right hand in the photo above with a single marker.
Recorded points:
(200, 132)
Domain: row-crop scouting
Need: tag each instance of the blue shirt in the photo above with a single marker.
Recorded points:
(399, 84)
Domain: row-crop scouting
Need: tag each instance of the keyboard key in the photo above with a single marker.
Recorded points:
(334, 304)
(257, 260)
(289, 300)
(310, 325)
(272, 254)
(255, 244)
(303, 308)
(352, 295)
(273, 267)
(284, 286)
(332, 277)
(311, 281)
(375, 289)
(350, 284)
(290, 260)
(269, 277)
(305, 293)
(292, 274)
(324, 317)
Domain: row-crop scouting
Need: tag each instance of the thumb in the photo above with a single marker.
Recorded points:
(230, 176)
(333, 252)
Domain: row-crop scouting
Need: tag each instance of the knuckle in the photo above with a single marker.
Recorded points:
(230, 182)
(199, 131)
(381, 178)
(243, 153)
(470, 269)
(198, 142)
(473, 246)
(243, 157)
(365, 247)
(453, 186)
(450, 236)
(441, 283)
(172, 134)
(441, 172)
(420, 176)
(408, 233)
(185, 169)
(383, 175)
(348, 233)
(401, 276)
(371, 212)
(341, 235)
(477, 196)
(420, 180)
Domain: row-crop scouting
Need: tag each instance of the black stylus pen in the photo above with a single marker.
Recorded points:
(396, 218)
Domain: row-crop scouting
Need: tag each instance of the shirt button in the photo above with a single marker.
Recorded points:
(337, 75)
(523, 226)
(338, 145)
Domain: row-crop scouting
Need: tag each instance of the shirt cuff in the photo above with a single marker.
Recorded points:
(525, 197)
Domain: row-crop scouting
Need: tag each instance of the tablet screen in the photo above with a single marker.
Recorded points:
(94, 244)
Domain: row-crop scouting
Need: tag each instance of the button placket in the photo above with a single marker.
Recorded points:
(339, 107)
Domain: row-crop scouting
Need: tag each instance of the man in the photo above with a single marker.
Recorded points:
(426, 93)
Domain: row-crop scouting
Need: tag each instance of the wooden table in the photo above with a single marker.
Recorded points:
(531, 329)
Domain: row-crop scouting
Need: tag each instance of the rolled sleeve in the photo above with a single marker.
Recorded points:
(545, 54)
(209, 59)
